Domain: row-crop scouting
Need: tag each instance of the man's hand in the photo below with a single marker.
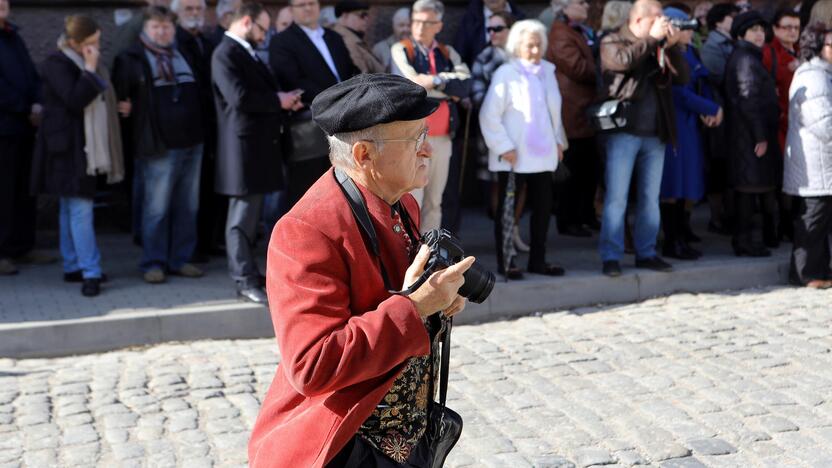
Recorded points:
(658, 30)
(289, 100)
(124, 108)
(35, 114)
(439, 292)
(510, 157)
(425, 81)
(560, 152)
(760, 149)
(672, 35)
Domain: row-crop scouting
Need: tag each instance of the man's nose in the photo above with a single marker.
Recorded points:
(426, 151)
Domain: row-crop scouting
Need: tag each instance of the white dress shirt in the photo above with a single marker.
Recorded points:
(317, 38)
(246, 45)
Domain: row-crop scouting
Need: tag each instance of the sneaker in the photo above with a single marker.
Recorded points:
(611, 268)
(188, 270)
(91, 287)
(37, 257)
(7, 267)
(654, 263)
(155, 276)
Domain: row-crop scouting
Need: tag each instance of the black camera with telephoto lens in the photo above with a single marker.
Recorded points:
(685, 25)
(446, 250)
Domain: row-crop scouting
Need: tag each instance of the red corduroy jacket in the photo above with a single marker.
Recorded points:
(343, 338)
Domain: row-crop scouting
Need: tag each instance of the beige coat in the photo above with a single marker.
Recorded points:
(360, 53)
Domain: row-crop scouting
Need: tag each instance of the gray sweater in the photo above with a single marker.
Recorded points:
(808, 155)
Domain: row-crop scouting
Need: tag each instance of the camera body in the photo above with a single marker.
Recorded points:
(685, 25)
(446, 250)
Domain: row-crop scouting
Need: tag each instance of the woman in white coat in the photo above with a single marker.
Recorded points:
(808, 160)
(521, 123)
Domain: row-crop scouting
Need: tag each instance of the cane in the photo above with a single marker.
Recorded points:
(465, 147)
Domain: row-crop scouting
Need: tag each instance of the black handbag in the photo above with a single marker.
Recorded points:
(609, 115)
(308, 141)
(444, 424)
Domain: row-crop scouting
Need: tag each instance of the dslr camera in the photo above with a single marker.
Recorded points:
(685, 25)
(446, 250)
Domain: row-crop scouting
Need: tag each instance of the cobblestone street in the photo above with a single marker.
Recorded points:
(739, 379)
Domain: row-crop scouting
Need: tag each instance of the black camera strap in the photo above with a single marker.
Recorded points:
(362, 216)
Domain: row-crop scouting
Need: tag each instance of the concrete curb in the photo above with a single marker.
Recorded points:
(234, 320)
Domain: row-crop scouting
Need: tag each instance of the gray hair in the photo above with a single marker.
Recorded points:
(174, 6)
(559, 5)
(340, 145)
(429, 5)
(616, 13)
(401, 14)
(520, 29)
(225, 7)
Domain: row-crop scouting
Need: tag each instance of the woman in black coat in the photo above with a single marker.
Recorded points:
(752, 117)
(77, 141)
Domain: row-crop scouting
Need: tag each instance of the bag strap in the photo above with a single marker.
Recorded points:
(445, 361)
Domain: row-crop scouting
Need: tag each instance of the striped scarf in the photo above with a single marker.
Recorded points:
(164, 57)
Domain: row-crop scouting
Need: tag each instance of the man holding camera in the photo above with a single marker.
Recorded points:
(639, 64)
(352, 388)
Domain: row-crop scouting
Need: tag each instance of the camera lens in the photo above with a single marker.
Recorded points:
(478, 284)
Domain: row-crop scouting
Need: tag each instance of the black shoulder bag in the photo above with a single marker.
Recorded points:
(609, 115)
(444, 426)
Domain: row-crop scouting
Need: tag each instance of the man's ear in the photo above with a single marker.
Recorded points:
(361, 154)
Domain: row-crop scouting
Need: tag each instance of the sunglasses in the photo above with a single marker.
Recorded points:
(495, 29)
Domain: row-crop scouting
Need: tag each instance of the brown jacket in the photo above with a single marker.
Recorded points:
(631, 70)
(576, 76)
(360, 53)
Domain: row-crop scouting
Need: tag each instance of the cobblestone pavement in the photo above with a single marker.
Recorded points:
(733, 379)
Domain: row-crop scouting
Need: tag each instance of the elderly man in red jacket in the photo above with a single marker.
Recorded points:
(352, 385)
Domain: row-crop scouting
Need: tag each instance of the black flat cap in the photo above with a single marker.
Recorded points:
(346, 6)
(370, 99)
(745, 21)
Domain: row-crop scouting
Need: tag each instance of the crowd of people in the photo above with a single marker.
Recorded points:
(209, 129)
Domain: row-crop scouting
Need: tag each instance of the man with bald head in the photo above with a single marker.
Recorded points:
(639, 62)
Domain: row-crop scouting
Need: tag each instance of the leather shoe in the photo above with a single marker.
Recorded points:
(91, 287)
(819, 284)
(575, 231)
(611, 268)
(548, 270)
(253, 294)
(751, 251)
(77, 277)
(680, 251)
(654, 263)
(513, 273)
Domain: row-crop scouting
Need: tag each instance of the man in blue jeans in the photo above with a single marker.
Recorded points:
(640, 63)
(158, 87)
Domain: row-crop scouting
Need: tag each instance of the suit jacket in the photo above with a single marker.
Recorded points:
(296, 62)
(249, 120)
(342, 337)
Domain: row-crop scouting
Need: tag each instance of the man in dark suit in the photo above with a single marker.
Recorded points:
(197, 48)
(312, 58)
(250, 113)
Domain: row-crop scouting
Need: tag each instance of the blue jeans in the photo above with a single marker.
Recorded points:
(171, 201)
(78, 246)
(625, 152)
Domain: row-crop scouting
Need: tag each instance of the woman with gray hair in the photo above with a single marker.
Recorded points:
(808, 159)
(521, 124)
(614, 16)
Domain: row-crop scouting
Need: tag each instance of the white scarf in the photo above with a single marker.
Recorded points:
(96, 134)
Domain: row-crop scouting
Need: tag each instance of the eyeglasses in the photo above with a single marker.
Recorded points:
(495, 29)
(261, 28)
(420, 140)
(789, 27)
